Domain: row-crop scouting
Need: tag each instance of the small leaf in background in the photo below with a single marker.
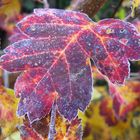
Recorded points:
(121, 13)
(130, 94)
(135, 4)
(14, 136)
(100, 123)
(55, 51)
(9, 11)
(8, 106)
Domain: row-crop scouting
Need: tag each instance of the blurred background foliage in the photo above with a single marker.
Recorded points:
(100, 121)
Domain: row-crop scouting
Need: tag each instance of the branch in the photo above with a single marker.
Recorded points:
(117, 8)
(45, 2)
(90, 7)
(46, 5)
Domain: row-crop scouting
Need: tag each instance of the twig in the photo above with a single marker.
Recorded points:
(45, 2)
(117, 8)
(90, 7)
(134, 74)
(52, 131)
(133, 78)
(46, 5)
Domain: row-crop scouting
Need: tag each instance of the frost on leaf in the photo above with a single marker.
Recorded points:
(54, 51)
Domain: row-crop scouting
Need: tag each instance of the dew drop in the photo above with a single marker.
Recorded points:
(36, 64)
(33, 28)
(24, 100)
(39, 62)
(89, 44)
(122, 30)
(42, 29)
(138, 41)
(19, 94)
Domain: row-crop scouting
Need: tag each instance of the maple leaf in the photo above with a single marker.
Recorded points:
(55, 51)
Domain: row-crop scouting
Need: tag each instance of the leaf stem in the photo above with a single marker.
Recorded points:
(46, 5)
(52, 131)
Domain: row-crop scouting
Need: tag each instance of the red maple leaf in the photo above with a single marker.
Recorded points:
(54, 51)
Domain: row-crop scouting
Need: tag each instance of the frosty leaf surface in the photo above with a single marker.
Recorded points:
(54, 51)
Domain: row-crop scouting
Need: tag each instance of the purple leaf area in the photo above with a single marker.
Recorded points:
(36, 99)
(54, 47)
(17, 35)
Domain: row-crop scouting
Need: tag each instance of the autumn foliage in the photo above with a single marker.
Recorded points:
(53, 50)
